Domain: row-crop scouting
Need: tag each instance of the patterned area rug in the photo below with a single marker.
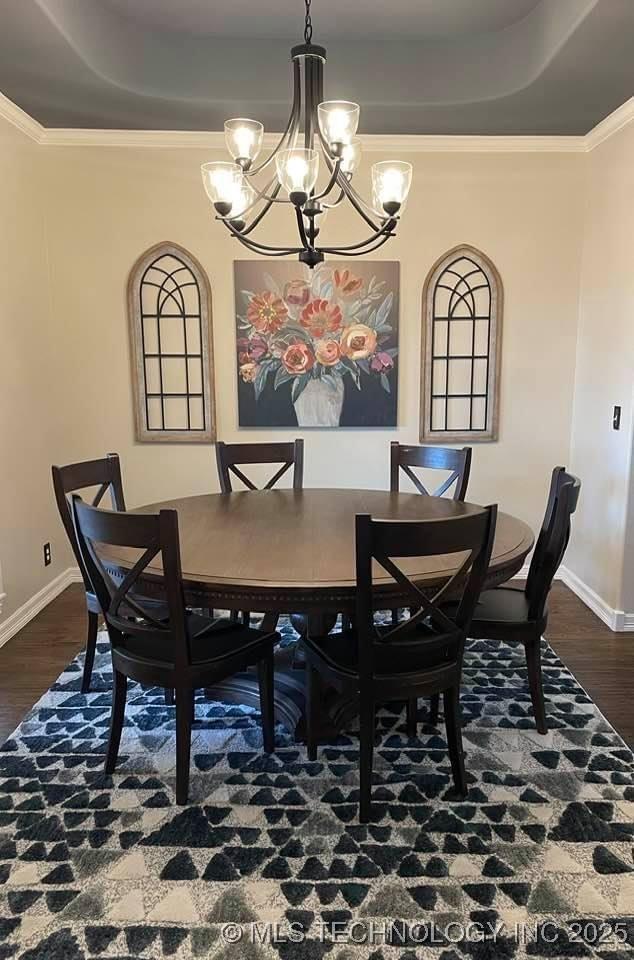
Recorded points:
(269, 859)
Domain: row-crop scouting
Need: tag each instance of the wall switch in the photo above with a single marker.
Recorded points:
(616, 419)
(47, 554)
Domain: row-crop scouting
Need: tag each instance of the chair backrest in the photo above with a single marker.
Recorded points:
(446, 611)
(151, 534)
(552, 540)
(105, 474)
(230, 456)
(457, 462)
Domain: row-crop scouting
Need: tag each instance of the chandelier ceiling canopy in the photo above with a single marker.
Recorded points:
(319, 133)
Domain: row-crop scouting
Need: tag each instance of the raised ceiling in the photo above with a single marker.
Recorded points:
(416, 66)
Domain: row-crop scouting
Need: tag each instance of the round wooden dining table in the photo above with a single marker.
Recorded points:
(293, 552)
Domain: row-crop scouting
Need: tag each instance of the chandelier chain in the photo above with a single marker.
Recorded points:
(308, 24)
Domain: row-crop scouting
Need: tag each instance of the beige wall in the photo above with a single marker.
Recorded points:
(600, 554)
(30, 348)
(107, 205)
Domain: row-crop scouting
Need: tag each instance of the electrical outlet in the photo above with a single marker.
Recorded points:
(47, 555)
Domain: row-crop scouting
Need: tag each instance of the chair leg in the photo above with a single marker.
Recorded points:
(434, 707)
(313, 694)
(534, 664)
(246, 618)
(366, 749)
(91, 646)
(184, 709)
(119, 690)
(267, 705)
(169, 697)
(453, 723)
(411, 714)
(395, 619)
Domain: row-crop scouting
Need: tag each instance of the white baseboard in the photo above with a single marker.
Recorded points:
(20, 617)
(617, 620)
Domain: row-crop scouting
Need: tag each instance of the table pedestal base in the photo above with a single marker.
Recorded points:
(290, 685)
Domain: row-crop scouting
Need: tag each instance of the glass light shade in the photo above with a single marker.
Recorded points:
(351, 156)
(222, 181)
(391, 180)
(338, 120)
(243, 197)
(297, 169)
(243, 138)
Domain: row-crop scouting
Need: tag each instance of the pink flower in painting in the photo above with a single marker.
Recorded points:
(297, 292)
(252, 349)
(381, 362)
(298, 358)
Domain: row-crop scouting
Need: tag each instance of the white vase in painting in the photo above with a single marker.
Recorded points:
(320, 403)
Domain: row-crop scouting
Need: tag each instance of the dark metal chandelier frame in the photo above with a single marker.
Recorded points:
(308, 83)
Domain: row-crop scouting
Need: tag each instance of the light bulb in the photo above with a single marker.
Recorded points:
(297, 171)
(351, 156)
(244, 140)
(338, 120)
(222, 182)
(391, 181)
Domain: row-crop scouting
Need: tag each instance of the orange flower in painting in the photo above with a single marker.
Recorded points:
(327, 352)
(298, 358)
(267, 312)
(358, 341)
(346, 283)
(321, 317)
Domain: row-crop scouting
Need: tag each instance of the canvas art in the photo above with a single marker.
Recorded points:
(317, 348)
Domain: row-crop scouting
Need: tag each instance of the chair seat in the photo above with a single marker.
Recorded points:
(209, 640)
(505, 606)
(422, 651)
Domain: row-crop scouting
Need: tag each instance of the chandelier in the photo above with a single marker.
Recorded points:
(318, 131)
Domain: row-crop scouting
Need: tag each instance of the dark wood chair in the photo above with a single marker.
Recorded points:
(105, 474)
(457, 462)
(231, 456)
(182, 653)
(520, 614)
(421, 655)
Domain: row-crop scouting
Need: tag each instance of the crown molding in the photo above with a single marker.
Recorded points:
(20, 119)
(372, 143)
(614, 122)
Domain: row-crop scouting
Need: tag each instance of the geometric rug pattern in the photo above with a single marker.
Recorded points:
(269, 860)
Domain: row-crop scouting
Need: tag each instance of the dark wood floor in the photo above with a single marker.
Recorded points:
(602, 661)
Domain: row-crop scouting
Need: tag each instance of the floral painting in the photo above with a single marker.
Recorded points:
(317, 348)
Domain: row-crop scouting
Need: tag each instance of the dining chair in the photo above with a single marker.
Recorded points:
(105, 474)
(181, 653)
(520, 614)
(421, 655)
(231, 456)
(457, 462)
